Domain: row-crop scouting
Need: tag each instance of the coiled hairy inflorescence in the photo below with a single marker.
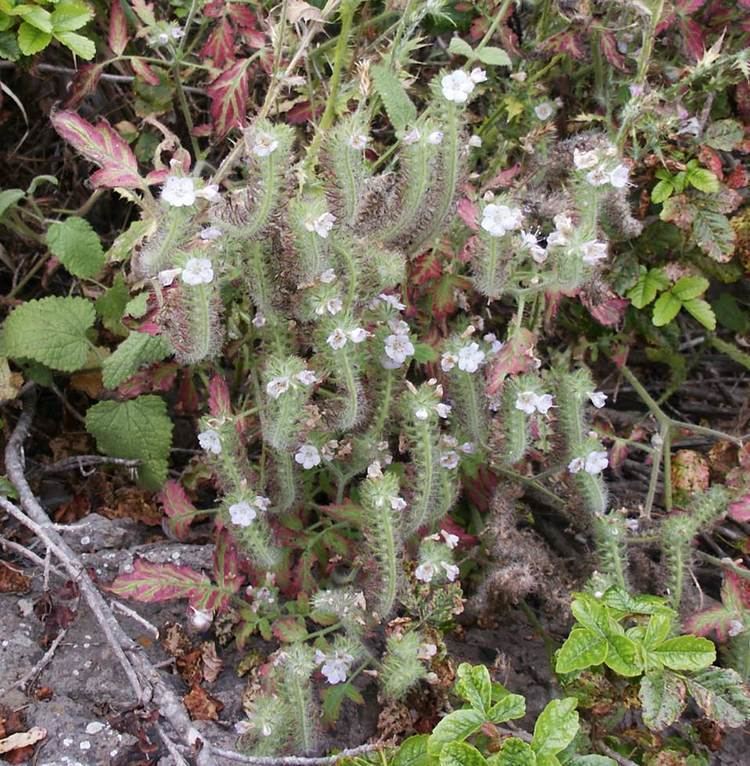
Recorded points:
(515, 414)
(680, 529)
(174, 230)
(402, 669)
(610, 538)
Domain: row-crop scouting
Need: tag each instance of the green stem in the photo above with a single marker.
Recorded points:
(499, 16)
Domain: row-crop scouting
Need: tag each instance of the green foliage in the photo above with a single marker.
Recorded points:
(137, 350)
(77, 246)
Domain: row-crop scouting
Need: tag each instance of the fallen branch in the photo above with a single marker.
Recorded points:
(294, 760)
(22, 683)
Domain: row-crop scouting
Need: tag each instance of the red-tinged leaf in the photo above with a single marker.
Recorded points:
(566, 42)
(154, 380)
(144, 11)
(228, 94)
(179, 510)
(666, 23)
(118, 28)
(152, 583)
(739, 510)
(618, 454)
(467, 212)
(425, 268)
(157, 177)
(611, 53)
(469, 249)
(515, 357)
(214, 9)
(737, 587)
(289, 629)
(83, 84)
(301, 113)
(744, 4)
(686, 7)
(254, 38)
(504, 178)
(227, 565)
(143, 71)
(179, 158)
(187, 395)
(465, 540)
(242, 16)
(102, 145)
(220, 45)
(603, 304)
(711, 159)
(737, 179)
(219, 400)
(692, 39)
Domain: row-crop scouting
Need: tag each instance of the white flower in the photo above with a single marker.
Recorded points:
(200, 619)
(198, 271)
(597, 398)
(619, 176)
(358, 335)
(335, 667)
(307, 456)
(421, 413)
(264, 145)
(162, 38)
(498, 220)
(478, 75)
(177, 32)
(544, 111)
(576, 464)
(306, 377)
(358, 141)
(475, 141)
(468, 448)
(168, 276)
(544, 403)
(596, 462)
(557, 239)
(262, 502)
(210, 233)
(337, 339)
(209, 192)
(598, 176)
(374, 470)
(411, 137)
(179, 191)
(451, 571)
(242, 514)
(425, 572)
(435, 138)
(449, 460)
(398, 503)
(526, 402)
(321, 225)
(398, 326)
(392, 300)
(450, 540)
(495, 344)
(278, 386)
(398, 347)
(210, 441)
(426, 651)
(593, 251)
(585, 160)
(332, 306)
(443, 410)
(259, 320)
(563, 223)
(448, 361)
(457, 86)
(538, 253)
(328, 276)
(470, 357)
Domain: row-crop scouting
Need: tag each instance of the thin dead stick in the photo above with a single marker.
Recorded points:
(294, 760)
(83, 461)
(39, 667)
(152, 629)
(30, 555)
(615, 756)
(173, 751)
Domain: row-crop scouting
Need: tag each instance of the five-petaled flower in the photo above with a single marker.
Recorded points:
(457, 86)
(264, 144)
(210, 441)
(335, 667)
(307, 456)
(470, 357)
(321, 225)
(531, 402)
(398, 347)
(242, 514)
(198, 271)
(498, 220)
(278, 386)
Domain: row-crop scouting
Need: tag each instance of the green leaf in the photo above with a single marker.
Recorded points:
(34, 16)
(662, 191)
(622, 601)
(137, 306)
(511, 706)
(702, 312)
(688, 288)
(455, 727)
(647, 286)
(413, 752)
(51, 331)
(591, 760)
(9, 198)
(77, 246)
(703, 180)
(125, 243)
(714, 234)
(111, 306)
(399, 107)
(137, 350)
(334, 696)
(582, 649)
(69, 16)
(424, 352)
(78, 44)
(724, 135)
(666, 309)
(590, 613)
(622, 656)
(9, 46)
(137, 429)
(730, 314)
(662, 696)
(686, 653)
(722, 696)
(556, 727)
(474, 685)
(461, 754)
(459, 47)
(32, 40)
(514, 752)
(657, 629)
(494, 56)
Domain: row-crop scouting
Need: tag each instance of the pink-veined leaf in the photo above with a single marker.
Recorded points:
(739, 510)
(515, 357)
(228, 94)
(468, 212)
(611, 53)
(219, 400)
(118, 28)
(144, 11)
(179, 510)
(151, 583)
(83, 84)
(220, 45)
(102, 145)
(692, 38)
(143, 71)
(688, 6)
(227, 564)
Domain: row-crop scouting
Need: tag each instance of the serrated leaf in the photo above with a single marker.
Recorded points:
(556, 727)
(714, 234)
(582, 649)
(9, 198)
(138, 429)
(9, 46)
(69, 16)
(126, 242)
(494, 56)
(662, 696)
(592, 759)
(413, 752)
(508, 708)
(622, 656)
(722, 696)
(461, 754)
(137, 306)
(459, 47)
(34, 16)
(51, 331)
(724, 135)
(78, 44)
(514, 752)
(111, 306)
(648, 285)
(137, 350)
(333, 698)
(666, 309)
(662, 191)
(32, 40)
(474, 685)
(455, 727)
(178, 509)
(77, 245)
(657, 630)
(398, 106)
(686, 653)
(703, 180)
(687, 288)
(701, 311)
(118, 28)
(229, 93)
